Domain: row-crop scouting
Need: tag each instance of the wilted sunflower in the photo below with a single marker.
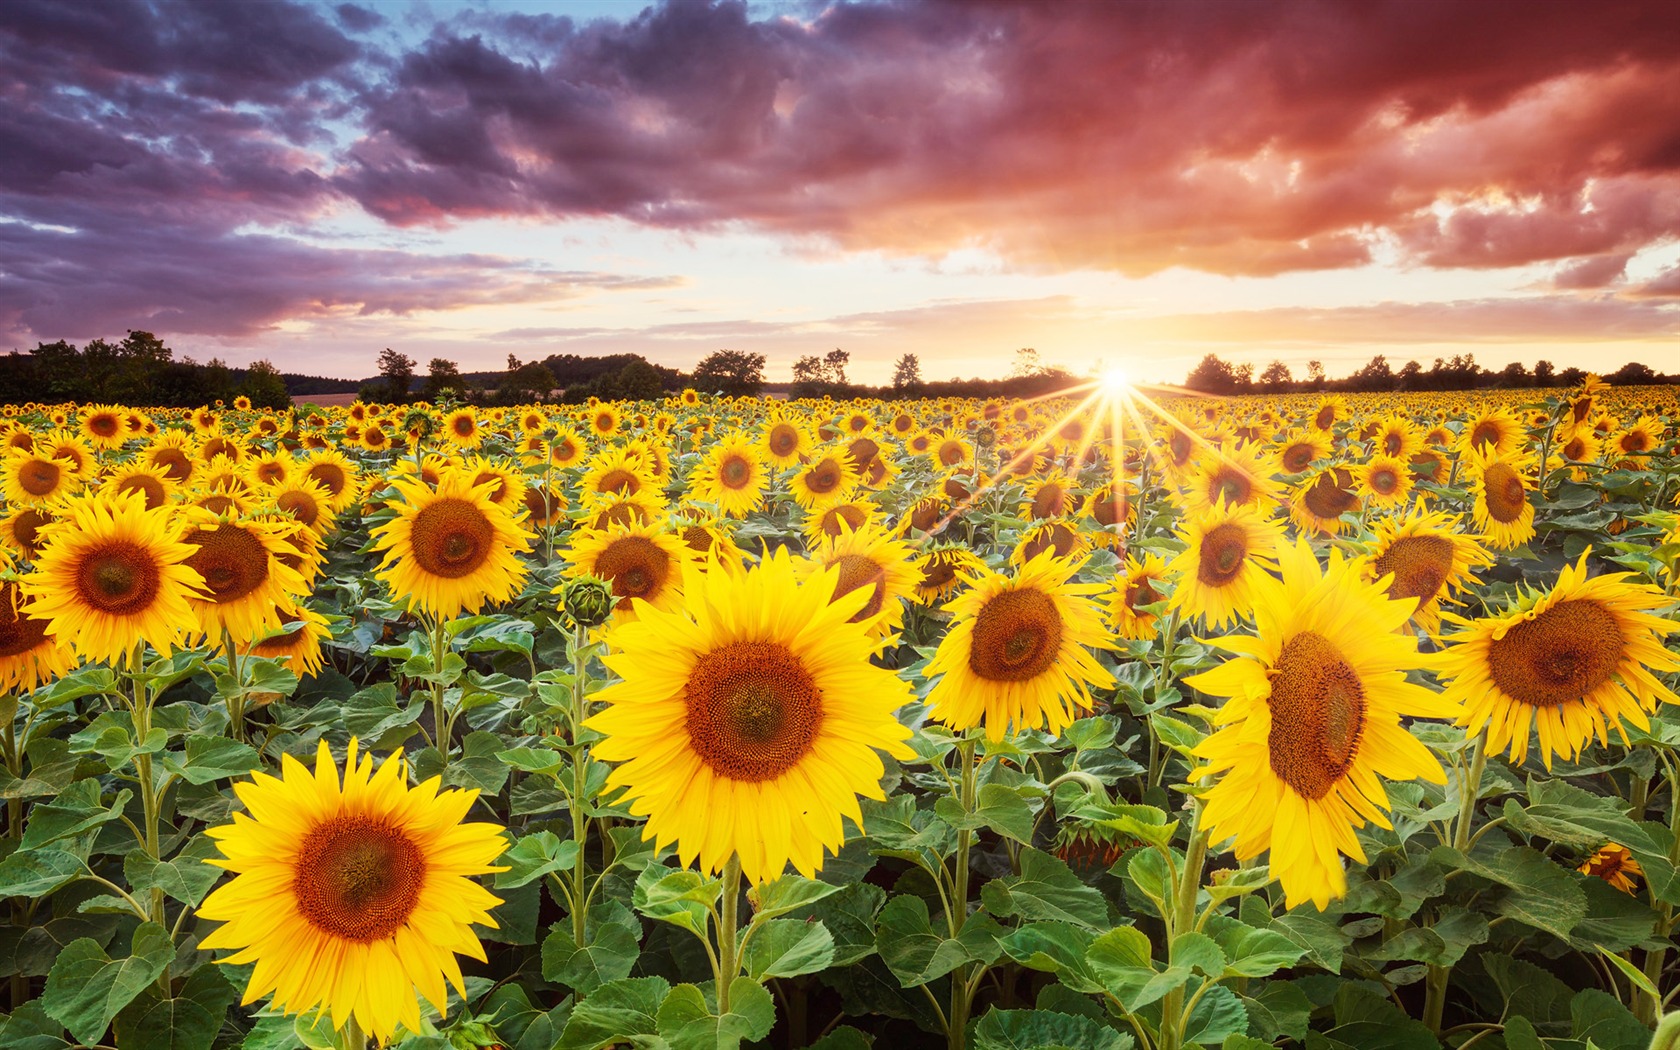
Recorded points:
(942, 569)
(112, 575)
(352, 898)
(1503, 512)
(29, 656)
(748, 719)
(640, 561)
(873, 560)
(1226, 554)
(1312, 722)
(451, 548)
(730, 476)
(1143, 584)
(1017, 653)
(1573, 663)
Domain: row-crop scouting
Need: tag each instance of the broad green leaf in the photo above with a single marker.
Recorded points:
(186, 877)
(997, 807)
(77, 809)
(614, 1013)
(612, 942)
(1251, 952)
(1047, 889)
(680, 897)
(29, 1028)
(787, 948)
(87, 988)
(916, 954)
(543, 760)
(189, 1021)
(36, 873)
(1054, 947)
(212, 758)
(1044, 1029)
(1278, 1010)
(534, 856)
(1599, 1017)
(1537, 893)
(1217, 1016)
(687, 1022)
(782, 895)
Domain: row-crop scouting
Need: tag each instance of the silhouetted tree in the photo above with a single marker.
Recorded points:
(1315, 375)
(731, 372)
(398, 372)
(907, 374)
(443, 375)
(1515, 374)
(1543, 374)
(1212, 376)
(1409, 377)
(1632, 374)
(264, 386)
(1276, 378)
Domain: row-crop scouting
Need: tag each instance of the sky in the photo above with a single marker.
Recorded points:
(1124, 185)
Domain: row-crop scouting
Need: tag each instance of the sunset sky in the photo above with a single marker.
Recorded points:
(1135, 184)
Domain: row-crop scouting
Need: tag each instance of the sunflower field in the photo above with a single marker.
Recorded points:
(1108, 721)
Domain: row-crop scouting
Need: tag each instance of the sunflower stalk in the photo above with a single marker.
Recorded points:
(1175, 1012)
(140, 710)
(962, 988)
(443, 722)
(729, 962)
(1647, 1007)
(236, 695)
(351, 1036)
(1438, 978)
(580, 780)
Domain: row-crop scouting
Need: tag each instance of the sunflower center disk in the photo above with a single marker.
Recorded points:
(232, 561)
(736, 473)
(1230, 486)
(1318, 713)
(1017, 637)
(118, 577)
(783, 440)
(1559, 656)
(300, 505)
(857, 571)
(452, 538)
(1484, 434)
(1420, 565)
(358, 879)
(1139, 593)
(1506, 495)
(149, 487)
(39, 477)
(173, 463)
(635, 565)
(330, 475)
(824, 477)
(753, 710)
(1223, 550)
(19, 633)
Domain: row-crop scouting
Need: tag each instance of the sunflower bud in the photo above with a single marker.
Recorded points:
(588, 600)
(985, 437)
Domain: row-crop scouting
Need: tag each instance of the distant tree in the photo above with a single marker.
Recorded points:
(398, 372)
(264, 386)
(907, 374)
(1409, 377)
(1633, 374)
(141, 358)
(1571, 377)
(731, 372)
(836, 361)
(1543, 374)
(636, 381)
(809, 370)
(218, 382)
(1315, 375)
(524, 383)
(1212, 376)
(1243, 376)
(1515, 375)
(1027, 364)
(1376, 375)
(443, 375)
(1276, 378)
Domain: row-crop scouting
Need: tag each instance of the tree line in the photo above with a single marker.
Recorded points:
(135, 370)
(1214, 375)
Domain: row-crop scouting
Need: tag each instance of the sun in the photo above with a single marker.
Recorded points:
(1115, 381)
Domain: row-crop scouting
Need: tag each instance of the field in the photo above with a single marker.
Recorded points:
(1103, 721)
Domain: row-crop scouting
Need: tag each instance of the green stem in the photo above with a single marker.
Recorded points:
(580, 780)
(235, 699)
(440, 721)
(1438, 979)
(149, 795)
(729, 965)
(962, 993)
(1175, 1015)
(351, 1036)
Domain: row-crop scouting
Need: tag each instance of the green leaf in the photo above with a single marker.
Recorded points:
(534, 856)
(77, 809)
(1279, 1011)
(615, 1012)
(1047, 889)
(916, 954)
(1455, 932)
(36, 873)
(843, 1038)
(29, 1028)
(1615, 921)
(687, 1022)
(1251, 952)
(87, 988)
(1043, 1030)
(850, 917)
(189, 1021)
(1369, 1021)
(1218, 1016)
(681, 897)
(997, 807)
(1634, 974)
(612, 939)
(212, 758)
(788, 893)
(1179, 736)
(1323, 942)
(373, 714)
(543, 760)
(787, 948)
(186, 878)
(1598, 1016)
(1055, 947)
(1538, 893)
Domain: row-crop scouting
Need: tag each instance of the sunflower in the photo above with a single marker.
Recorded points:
(20, 530)
(268, 469)
(614, 471)
(544, 504)
(1425, 557)
(952, 451)
(353, 897)
(306, 503)
(1226, 554)
(1332, 409)
(869, 559)
(149, 481)
(730, 476)
(1049, 497)
(335, 472)
(1384, 480)
(1237, 477)
(29, 656)
(104, 426)
(1312, 721)
(1300, 449)
(111, 576)
(783, 441)
(172, 454)
(640, 561)
(1491, 428)
(1397, 436)
(567, 448)
(1574, 663)
(376, 436)
(603, 512)
(828, 479)
(1141, 586)
(943, 568)
(1503, 511)
(1613, 863)
(1318, 501)
(245, 583)
(924, 515)
(451, 548)
(506, 484)
(1017, 653)
(31, 478)
(461, 428)
(1058, 538)
(605, 420)
(708, 541)
(298, 648)
(748, 719)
